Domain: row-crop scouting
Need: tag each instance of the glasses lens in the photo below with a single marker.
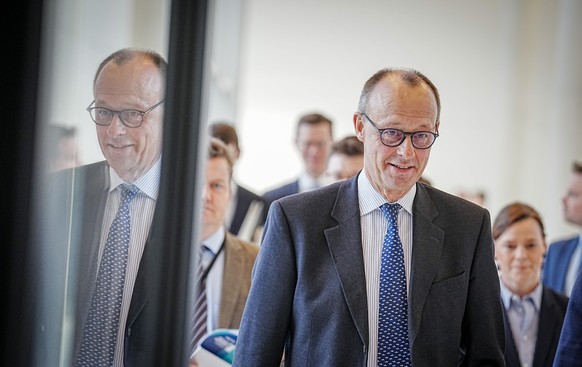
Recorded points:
(101, 116)
(131, 117)
(392, 137)
(422, 139)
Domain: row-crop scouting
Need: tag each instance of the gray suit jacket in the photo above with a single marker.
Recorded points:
(79, 197)
(308, 295)
(236, 281)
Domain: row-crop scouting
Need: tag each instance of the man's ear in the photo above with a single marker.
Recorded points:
(359, 126)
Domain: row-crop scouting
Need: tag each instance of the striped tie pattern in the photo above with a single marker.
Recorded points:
(393, 347)
(100, 334)
(200, 327)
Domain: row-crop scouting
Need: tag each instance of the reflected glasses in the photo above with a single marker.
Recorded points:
(394, 137)
(130, 118)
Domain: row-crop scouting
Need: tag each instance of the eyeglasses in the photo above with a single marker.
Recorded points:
(395, 137)
(130, 118)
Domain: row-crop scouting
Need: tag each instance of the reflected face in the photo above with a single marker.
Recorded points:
(216, 195)
(573, 200)
(341, 167)
(519, 252)
(138, 85)
(392, 104)
(314, 142)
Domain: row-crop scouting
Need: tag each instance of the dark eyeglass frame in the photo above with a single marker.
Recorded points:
(404, 134)
(120, 114)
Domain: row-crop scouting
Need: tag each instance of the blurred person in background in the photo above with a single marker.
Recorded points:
(246, 214)
(313, 139)
(533, 313)
(564, 258)
(346, 159)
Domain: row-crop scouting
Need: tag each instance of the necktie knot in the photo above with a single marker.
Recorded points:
(128, 192)
(390, 212)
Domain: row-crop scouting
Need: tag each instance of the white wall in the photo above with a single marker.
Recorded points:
(508, 73)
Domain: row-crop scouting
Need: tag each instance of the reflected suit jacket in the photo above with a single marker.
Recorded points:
(308, 295)
(79, 197)
(552, 312)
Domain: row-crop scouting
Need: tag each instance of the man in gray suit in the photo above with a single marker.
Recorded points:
(128, 90)
(316, 283)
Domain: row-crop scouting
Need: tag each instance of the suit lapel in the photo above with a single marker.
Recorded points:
(345, 246)
(233, 268)
(428, 240)
(511, 356)
(548, 329)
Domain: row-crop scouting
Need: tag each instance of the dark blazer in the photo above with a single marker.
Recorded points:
(557, 262)
(569, 351)
(308, 294)
(281, 191)
(236, 281)
(79, 196)
(242, 202)
(552, 312)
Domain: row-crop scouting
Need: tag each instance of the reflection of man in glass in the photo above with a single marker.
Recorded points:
(110, 208)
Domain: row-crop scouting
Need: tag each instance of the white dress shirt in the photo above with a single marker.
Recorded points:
(141, 211)
(374, 225)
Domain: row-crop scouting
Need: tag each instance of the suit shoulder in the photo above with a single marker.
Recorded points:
(244, 245)
(560, 299)
(445, 199)
(244, 192)
(281, 191)
(571, 241)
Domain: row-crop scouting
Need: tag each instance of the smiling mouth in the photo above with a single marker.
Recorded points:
(118, 146)
(401, 167)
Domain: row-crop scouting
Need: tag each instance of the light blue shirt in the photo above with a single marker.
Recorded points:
(523, 314)
(214, 279)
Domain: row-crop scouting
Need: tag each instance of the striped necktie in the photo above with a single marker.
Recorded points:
(200, 324)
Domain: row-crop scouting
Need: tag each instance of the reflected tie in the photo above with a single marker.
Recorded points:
(100, 335)
(393, 347)
(200, 307)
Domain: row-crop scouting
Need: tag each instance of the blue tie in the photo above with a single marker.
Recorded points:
(100, 336)
(393, 347)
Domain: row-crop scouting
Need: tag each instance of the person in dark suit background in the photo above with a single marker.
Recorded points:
(128, 88)
(316, 283)
(569, 351)
(245, 215)
(564, 258)
(313, 139)
(229, 276)
(533, 313)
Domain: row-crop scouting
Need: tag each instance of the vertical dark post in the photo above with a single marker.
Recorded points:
(177, 202)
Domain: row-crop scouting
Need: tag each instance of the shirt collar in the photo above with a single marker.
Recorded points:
(148, 184)
(370, 199)
(507, 295)
(215, 240)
